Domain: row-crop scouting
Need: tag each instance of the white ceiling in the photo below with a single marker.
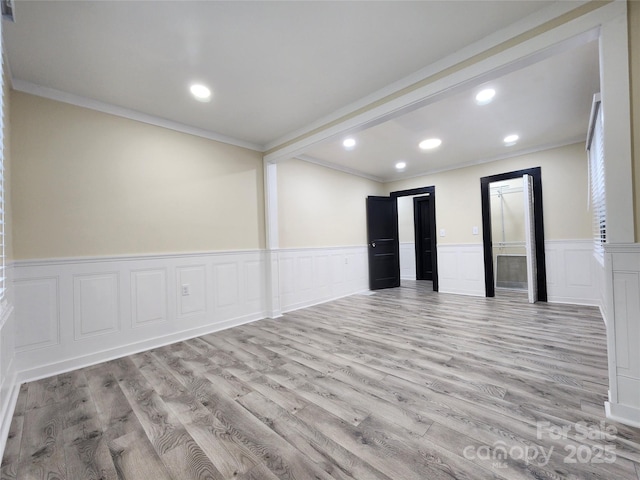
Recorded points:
(277, 67)
(547, 104)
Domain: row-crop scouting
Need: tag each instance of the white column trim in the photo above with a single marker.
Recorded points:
(272, 270)
(616, 114)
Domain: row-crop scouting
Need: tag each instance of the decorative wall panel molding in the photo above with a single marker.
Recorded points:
(573, 273)
(96, 305)
(75, 312)
(622, 262)
(407, 261)
(9, 384)
(148, 297)
(37, 298)
(308, 276)
(461, 269)
(192, 289)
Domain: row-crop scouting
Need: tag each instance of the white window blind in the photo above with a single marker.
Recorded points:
(2, 190)
(595, 147)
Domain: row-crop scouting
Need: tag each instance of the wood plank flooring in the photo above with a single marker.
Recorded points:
(399, 385)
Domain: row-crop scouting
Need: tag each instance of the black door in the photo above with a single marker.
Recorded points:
(424, 238)
(382, 234)
(424, 214)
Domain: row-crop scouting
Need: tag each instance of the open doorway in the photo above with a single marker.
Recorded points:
(417, 235)
(506, 226)
(384, 239)
(507, 202)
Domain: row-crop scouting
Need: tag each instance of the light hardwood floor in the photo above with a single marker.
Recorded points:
(402, 384)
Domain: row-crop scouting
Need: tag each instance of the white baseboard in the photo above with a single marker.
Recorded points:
(623, 414)
(8, 408)
(68, 365)
(588, 302)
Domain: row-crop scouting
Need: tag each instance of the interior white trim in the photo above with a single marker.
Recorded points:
(340, 168)
(62, 324)
(41, 262)
(623, 414)
(60, 96)
(309, 276)
(572, 272)
(507, 155)
(8, 408)
(461, 269)
(57, 367)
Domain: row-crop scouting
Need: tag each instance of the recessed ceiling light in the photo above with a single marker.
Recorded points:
(511, 139)
(200, 92)
(430, 143)
(401, 165)
(485, 96)
(349, 143)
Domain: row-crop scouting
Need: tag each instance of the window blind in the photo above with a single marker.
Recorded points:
(3, 277)
(595, 148)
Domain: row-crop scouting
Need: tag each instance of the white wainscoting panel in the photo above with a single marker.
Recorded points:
(149, 297)
(76, 312)
(227, 279)
(461, 269)
(9, 384)
(623, 332)
(95, 305)
(574, 276)
(407, 260)
(572, 272)
(308, 276)
(38, 298)
(194, 302)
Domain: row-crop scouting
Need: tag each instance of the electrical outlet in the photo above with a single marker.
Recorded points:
(442, 232)
(475, 230)
(186, 290)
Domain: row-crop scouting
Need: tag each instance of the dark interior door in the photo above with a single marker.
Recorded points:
(425, 238)
(382, 234)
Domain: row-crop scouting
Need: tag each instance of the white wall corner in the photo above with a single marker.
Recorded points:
(9, 385)
(616, 114)
(622, 262)
(272, 270)
(274, 310)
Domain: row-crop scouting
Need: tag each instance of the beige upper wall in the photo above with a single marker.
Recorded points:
(87, 183)
(564, 186)
(321, 207)
(634, 69)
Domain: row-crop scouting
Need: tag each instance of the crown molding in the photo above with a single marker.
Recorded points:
(340, 168)
(60, 96)
(506, 156)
